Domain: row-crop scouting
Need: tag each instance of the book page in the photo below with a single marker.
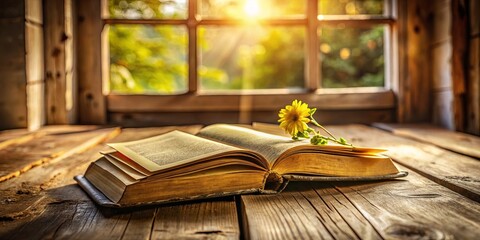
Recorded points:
(273, 146)
(268, 145)
(170, 149)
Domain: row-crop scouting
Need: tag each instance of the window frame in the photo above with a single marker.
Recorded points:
(263, 99)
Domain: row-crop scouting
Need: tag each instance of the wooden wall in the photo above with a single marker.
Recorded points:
(60, 64)
(441, 54)
(21, 64)
(473, 74)
(455, 67)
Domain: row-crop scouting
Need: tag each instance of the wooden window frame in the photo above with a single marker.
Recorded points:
(364, 98)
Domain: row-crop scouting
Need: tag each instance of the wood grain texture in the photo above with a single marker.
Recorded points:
(410, 208)
(60, 85)
(33, 11)
(76, 219)
(15, 136)
(23, 157)
(208, 117)
(373, 99)
(460, 40)
(441, 67)
(92, 106)
(413, 88)
(455, 141)
(300, 212)
(454, 171)
(473, 94)
(36, 105)
(34, 64)
(442, 23)
(442, 112)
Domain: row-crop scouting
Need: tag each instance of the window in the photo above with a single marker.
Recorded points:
(199, 49)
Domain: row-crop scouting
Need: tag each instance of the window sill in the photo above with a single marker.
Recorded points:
(331, 99)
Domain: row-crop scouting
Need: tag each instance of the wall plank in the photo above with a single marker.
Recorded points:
(441, 66)
(35, 75)
(33, 11)
(92, 107)
(473, 87)
(459, 61)
(13, 99)
(473, 100)
(60, 70)
(443, 109)
(415, 78)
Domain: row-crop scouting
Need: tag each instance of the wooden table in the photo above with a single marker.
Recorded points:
(438, 200)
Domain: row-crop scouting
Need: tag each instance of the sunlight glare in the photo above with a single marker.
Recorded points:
(251, 8)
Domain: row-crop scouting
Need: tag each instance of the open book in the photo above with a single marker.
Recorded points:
(222, 160)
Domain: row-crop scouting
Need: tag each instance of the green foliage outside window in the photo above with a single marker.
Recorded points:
(154, 59)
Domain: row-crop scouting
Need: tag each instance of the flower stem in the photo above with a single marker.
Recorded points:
(339, 142)
(324, 129)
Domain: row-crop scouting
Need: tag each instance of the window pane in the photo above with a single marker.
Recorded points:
(251, 57)
(352, 57)
(146, 59)
(148, 9)
(250, 8)
(350, 7)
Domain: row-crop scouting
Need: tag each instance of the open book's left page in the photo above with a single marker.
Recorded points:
(169, 150)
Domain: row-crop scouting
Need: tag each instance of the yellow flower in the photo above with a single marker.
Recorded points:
(294, 118)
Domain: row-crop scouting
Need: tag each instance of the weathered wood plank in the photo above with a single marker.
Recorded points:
(455, 141)
(15, 136)
(33, 11)
(441, 67)
(301, 213)
(204, 219)
(83, 220)
(357, 100)
(59, 64)
(34, 67)
(210, 117)
(457, 172)
(459, 60)
(35, 105)
(410, 208)
(443, 109)
(92, 106)
(473, 94)
(413, 87)
(23, 157)
(442, 22)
